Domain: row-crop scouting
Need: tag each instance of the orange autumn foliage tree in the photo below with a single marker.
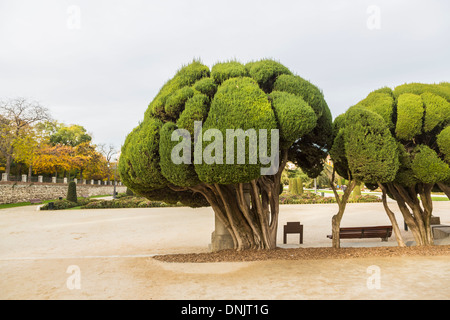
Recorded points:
(51, 159)
(91, 163)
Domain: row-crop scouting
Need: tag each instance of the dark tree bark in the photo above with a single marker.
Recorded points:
(445, 188)
(252, 224)
(416, 213)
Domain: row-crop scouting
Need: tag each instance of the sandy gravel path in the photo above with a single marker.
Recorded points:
(44, 255)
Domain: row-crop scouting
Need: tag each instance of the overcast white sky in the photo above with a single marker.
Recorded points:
(99, 63)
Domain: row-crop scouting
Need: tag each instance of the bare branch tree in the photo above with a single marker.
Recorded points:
(109, 152)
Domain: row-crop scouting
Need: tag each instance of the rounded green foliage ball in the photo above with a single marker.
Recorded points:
(235, 98)
(410, 112)
(428, 167)
(443, 141)
(294, 116)
(223, 71)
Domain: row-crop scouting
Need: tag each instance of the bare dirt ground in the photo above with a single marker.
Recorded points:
(110, 254)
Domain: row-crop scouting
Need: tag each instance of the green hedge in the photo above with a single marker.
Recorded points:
(125, 202)
(65, 204)
(312, 198)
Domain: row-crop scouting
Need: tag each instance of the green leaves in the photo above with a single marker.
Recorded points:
(364, 147)
(381, 102)
(437, 111)
(207, 86)
(294, 116)
(266, 72)
(232, 96)
(223, 71)
(238, 104)
(139, 160)
(427, 166)
(443, 141)
(196, 109)
(421, 115)
(175, 102)
(410, 111)
(300, 87)
(183, 173)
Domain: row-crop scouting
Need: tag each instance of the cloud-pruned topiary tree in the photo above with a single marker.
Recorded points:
(418, 116)
(189, 120)
(363, 150)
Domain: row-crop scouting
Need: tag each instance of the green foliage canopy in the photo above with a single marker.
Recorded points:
(419, 120)
(261, 94)
(364, 148)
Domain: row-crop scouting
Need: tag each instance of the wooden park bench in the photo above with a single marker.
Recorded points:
(383, 232)
(292, 227)
(35, 201)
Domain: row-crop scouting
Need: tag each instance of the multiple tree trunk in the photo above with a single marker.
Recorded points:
(252, 224)
(391, 215)
(415, 212)
(445, 188)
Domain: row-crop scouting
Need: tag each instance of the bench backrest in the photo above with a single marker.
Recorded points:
(368, 231)
(292, 227)
(377, 228)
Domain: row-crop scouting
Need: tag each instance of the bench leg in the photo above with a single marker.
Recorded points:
(284, 238)
(301, 235)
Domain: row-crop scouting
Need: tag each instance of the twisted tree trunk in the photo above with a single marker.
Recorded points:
(416, 216)
(391, 215)
(445, 188)
(342, 203)
(252, 224)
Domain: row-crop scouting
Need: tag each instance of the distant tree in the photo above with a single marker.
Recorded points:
(109, 152)
(16, 115)
(27, 146)
(97, 166)
(51, 159)
(72, 135)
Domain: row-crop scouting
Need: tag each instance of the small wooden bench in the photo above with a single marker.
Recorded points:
(35, 201)
(383, 232)
(292, 227)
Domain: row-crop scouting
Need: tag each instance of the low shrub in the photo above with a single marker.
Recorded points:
(139, 202)
(312, 198)
(364, 198)
(72, 192)
(305, 198)
(65, 204)
(124, 202)
(59, 205)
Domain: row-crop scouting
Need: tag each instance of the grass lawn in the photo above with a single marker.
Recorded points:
(23, 204)
(20, 204)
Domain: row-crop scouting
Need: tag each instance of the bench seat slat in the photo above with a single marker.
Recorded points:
(382, 232)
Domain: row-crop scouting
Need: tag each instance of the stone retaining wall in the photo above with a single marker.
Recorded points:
(13, 192)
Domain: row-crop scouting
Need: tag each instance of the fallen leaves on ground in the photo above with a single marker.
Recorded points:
(305, 254)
